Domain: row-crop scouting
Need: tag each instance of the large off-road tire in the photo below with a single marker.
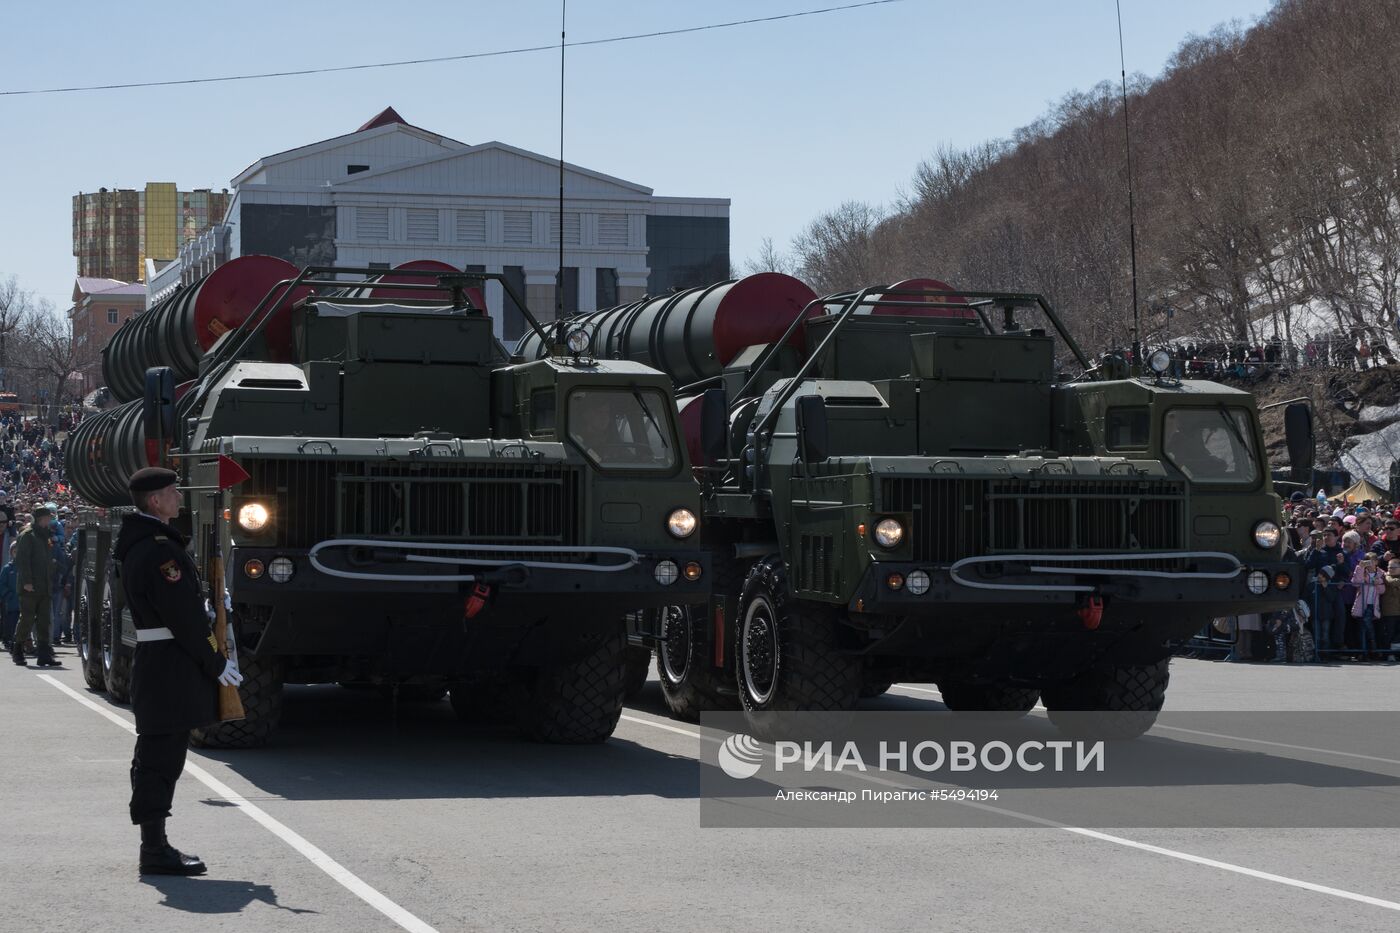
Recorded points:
(786, 653)
(1127, 699)
(116, 658)
(86, 636)
(690, 682)
(580, 701)
(963, 697)
(638, 665)
(261, 693)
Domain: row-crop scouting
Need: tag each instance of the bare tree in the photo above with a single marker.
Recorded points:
(16, 304)
(47, 352)
(769, 259)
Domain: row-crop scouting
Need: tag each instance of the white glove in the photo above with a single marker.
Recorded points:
(230, 677)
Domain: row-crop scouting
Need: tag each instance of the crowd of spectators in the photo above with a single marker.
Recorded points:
(32, 476)
(1350, 557)
(1251, 362)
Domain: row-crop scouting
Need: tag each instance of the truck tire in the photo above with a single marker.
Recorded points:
(261, 693)
(638, 665)
(578, 702)
(116, 657)
(1127, 697)
(786, 654)
(85, 636)
(962, 697)
(691, 684)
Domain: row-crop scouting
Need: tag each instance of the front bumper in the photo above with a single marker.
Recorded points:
(514, 587)
(1128, 597)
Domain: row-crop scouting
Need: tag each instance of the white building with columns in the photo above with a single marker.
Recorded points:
(391, 192)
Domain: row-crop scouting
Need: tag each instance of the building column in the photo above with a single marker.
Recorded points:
(631, 284)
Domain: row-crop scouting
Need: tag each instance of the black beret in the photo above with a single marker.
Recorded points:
(1297, 497)
(41, 510)
(151, 478)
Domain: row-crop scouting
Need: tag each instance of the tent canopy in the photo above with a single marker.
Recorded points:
(1360, 491)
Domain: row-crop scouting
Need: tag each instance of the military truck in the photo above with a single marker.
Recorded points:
(393, 500)
(901, 487)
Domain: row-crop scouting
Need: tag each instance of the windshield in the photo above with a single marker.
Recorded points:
(623, 428)
(1207, 447)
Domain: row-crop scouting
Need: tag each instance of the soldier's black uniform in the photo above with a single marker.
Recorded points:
(174, 678)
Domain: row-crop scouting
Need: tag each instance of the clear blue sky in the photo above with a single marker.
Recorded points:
(786, 119)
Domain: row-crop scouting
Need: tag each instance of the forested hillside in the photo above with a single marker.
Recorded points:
(1267, 170)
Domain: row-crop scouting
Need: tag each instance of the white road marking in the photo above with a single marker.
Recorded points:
(339, 873)
(1095, 834)
(1040, 708)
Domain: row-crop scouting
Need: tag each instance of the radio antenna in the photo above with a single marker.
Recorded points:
(1132, 221)
(559, 286)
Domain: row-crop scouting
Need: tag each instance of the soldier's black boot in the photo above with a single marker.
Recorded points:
(159, 857)
(17, 653)
(1280, 648)
(48, 660)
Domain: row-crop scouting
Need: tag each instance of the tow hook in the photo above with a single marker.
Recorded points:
(476, 600)
(1091, 613)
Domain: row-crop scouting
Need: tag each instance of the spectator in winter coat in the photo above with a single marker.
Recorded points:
(9, 598)
(1369, 580)
(1389, 625)
(1325, 561)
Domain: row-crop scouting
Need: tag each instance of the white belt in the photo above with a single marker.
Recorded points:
(154, 634)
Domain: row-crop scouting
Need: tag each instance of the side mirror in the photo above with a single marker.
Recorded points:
(1298, 431)
(714, 426)
(813, 431)
(158, 412)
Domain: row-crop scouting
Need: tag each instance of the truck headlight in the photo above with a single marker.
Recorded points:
(253, 516)
(889, 532)
(917, 582)
(1258, 582)
(1267, 535)
(281, 569)
(577, 341)
(1159, 362)
(681, 523)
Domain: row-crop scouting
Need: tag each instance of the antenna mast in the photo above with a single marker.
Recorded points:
(559, 281)
(1132, 223)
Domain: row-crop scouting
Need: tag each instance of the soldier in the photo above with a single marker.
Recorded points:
(178, 665)
(34, 565)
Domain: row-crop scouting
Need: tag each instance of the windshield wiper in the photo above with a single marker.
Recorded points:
(650, 417)
(1235, 428)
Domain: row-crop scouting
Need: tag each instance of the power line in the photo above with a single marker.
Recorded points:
(451, 58)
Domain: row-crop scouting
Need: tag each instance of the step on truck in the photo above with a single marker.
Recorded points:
(395, 501)
(904, 484)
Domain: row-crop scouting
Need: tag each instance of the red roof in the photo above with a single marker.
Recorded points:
(385, 117)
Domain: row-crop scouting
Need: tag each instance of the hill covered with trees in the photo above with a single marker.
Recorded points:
(1266, 163)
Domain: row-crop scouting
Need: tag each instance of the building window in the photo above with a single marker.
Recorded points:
(111, 315)
(423, 225)
(512, 318)
(612, 231)
(572, 229)
(471, 227)
(372, 223)
(684, 252)
(356, 169)
(518, 227)
(607, 288)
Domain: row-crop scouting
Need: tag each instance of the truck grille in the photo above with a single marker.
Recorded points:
(464, 502)
(954, 518)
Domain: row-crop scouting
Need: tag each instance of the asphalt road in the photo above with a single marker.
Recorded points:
(359, 819)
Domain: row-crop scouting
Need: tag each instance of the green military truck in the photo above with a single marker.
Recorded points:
(903, 486)
(393, 499)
